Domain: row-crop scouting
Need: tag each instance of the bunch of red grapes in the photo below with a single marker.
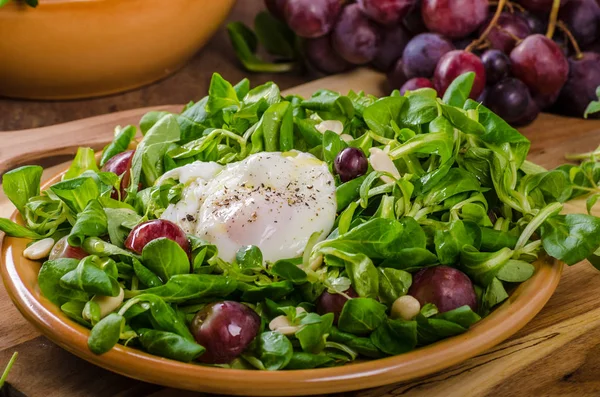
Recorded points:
(527, 55)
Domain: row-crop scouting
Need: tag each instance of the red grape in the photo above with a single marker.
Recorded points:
(461, 44)
(225, 329)
(454, 18)
(539, 63)
(528, 115)
(276, 7)
(355, 37)
(394, 40)
(447, 288)
(120, 164)
(145, 232)
(482, 97)
(413, 21)
(583, 19)
(416, 83)
(508, 26)
(535, 24)
(311, 18)
(544, 101)
(62, 249)
(422, 54)
(594, 47)
(323, 57)
(540, 5)
(396, 77)
(386, 12)
(508, 99)
(334, 303)
(455, 63)
(350, 163)
(580, 88)
(497, 65)
(563, 43)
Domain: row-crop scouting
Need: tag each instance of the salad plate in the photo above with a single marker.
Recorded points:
(20, 280)
(524, 301)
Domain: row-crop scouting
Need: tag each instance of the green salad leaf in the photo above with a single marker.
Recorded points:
(21, 184)
(170, 345)
(165, 258)
(123, 137)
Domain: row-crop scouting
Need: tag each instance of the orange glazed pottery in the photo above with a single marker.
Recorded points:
(20, 280)
(66, 49)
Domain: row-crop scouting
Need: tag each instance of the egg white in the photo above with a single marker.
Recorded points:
(272, 200)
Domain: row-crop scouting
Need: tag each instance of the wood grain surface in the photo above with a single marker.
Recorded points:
(556, 354)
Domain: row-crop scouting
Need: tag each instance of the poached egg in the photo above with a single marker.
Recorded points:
(272, 200)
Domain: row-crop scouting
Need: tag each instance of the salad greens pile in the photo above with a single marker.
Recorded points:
(467, 198)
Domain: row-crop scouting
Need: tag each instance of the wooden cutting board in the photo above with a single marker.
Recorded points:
(557, 353)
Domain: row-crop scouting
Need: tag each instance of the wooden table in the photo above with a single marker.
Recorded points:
(555, 354)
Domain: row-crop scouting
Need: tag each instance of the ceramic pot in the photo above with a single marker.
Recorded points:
(66, 49)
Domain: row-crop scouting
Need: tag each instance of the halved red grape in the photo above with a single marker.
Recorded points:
(145, 232)
(502, 35)
(445, 287)
(350, 163)
(120, 164)
(454, 18)
(583, 19)
(455, 63)
(422, 54)
(62, 249)
(323, 57)
(497, 65)
(334, 303)
(396, 77)
(394, 40)
(580, 88)
(416, 83)
(225, 329)
(508, 99)
(386, 12)
(311, 18)
(540, 64)
(355, 37)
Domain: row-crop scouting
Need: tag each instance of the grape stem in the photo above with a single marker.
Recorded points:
(553, 18)
(516, 38)
(518, 7)
(561, 25)
(489, 28)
